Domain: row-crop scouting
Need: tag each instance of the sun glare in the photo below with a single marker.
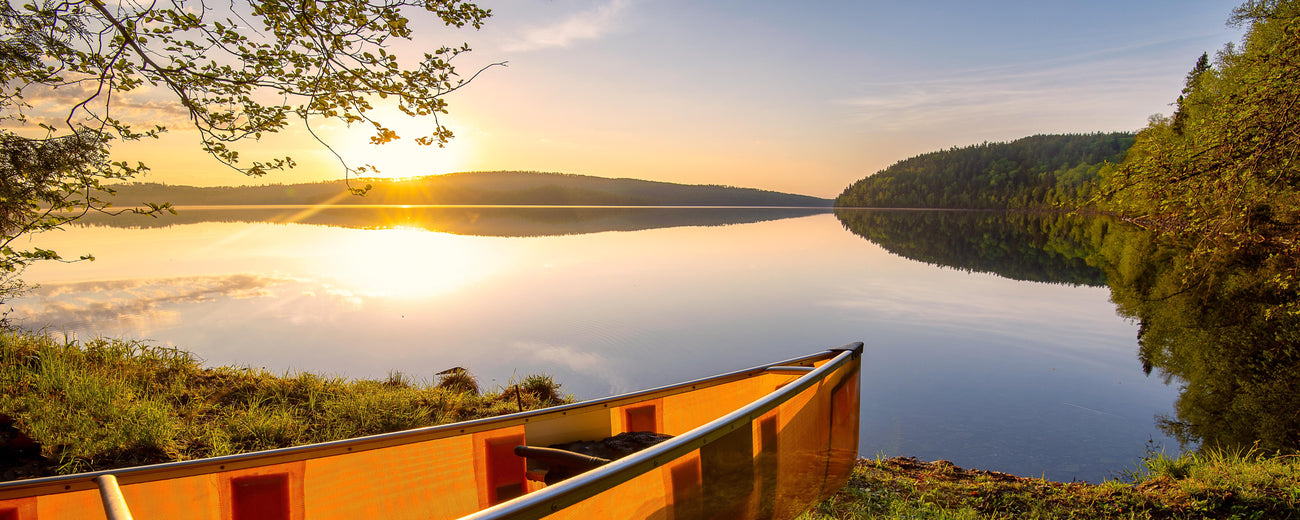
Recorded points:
(411, 264)
(403, 158)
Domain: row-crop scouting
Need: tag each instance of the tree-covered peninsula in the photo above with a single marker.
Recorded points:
(1211, 271)
(1041, 171)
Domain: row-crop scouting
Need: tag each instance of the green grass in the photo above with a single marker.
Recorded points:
(103, 404)
(1209, 484)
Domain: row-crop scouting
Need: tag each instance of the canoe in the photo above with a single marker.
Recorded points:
(762, 443)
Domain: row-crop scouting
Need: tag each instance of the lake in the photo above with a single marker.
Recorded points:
(987, 343)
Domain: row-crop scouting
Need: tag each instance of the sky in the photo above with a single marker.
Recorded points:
(801, 97)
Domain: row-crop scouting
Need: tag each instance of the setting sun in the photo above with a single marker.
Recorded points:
(403, 157)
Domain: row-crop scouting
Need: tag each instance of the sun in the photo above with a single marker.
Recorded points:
(402, 157)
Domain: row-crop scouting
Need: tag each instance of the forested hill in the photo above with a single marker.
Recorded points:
(471, 188)
(1034, 172)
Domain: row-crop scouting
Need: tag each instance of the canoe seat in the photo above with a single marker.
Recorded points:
(565, 460)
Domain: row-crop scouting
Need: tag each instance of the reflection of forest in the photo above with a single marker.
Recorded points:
(1212, 326)
(1036, 247)
(1216, 329)
(496, 221)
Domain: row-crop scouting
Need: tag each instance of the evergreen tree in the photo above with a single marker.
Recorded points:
(1041, 171)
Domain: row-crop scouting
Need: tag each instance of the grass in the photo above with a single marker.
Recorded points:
(1209, 484)
(104, 404)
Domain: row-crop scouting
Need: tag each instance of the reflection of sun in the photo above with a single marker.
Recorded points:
(411, 264)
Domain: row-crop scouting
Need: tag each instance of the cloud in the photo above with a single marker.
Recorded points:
(83, 305)
(591, 24)
(588, 363)
(1110, 81)
(144, 106)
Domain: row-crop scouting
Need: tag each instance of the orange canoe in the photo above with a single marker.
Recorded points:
(761, 443)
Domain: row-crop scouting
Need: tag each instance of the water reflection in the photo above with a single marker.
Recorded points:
(493, 221)
(1220, 330)
(1029, 378)
(136, 304)
(1035, 247)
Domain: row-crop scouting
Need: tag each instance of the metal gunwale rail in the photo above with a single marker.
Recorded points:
(126, 476)
(555, 497)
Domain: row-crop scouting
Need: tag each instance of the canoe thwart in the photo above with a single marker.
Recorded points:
(788, 370)
(572, 458)
(560, 464)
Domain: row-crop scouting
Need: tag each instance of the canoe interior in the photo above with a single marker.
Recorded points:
(770, 463)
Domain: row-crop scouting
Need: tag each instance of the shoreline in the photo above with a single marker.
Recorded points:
(1216, 484)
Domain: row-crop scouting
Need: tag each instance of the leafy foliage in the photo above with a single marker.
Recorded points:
(37, 176)
(70, 70)
(1040, 171)
(1222, 175)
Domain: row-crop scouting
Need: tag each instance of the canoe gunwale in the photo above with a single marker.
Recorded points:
(556, 497)
(127, 476)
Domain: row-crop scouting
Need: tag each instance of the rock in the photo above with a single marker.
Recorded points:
(20, 456)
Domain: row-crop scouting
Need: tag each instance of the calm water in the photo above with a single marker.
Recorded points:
(1028, 377)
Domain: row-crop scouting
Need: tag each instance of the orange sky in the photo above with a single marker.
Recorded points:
(764, 94)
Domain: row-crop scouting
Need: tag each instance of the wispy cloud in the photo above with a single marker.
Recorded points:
(88, 304)
(146, 106)
(589, 363)
(1031, 92)
(590, 24)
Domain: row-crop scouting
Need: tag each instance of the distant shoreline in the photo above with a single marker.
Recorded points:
(469, 189)
(827, 209)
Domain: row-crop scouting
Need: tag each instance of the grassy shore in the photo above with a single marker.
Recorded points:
(1220, 485)
(68, 406)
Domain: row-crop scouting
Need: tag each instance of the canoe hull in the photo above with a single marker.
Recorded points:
(738, 453)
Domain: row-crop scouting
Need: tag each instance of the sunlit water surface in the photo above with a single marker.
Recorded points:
(1029, 378)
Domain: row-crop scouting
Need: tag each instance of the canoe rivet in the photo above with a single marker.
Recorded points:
(555, 507)
(221, 467)
(67, 487)
(349, 448)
